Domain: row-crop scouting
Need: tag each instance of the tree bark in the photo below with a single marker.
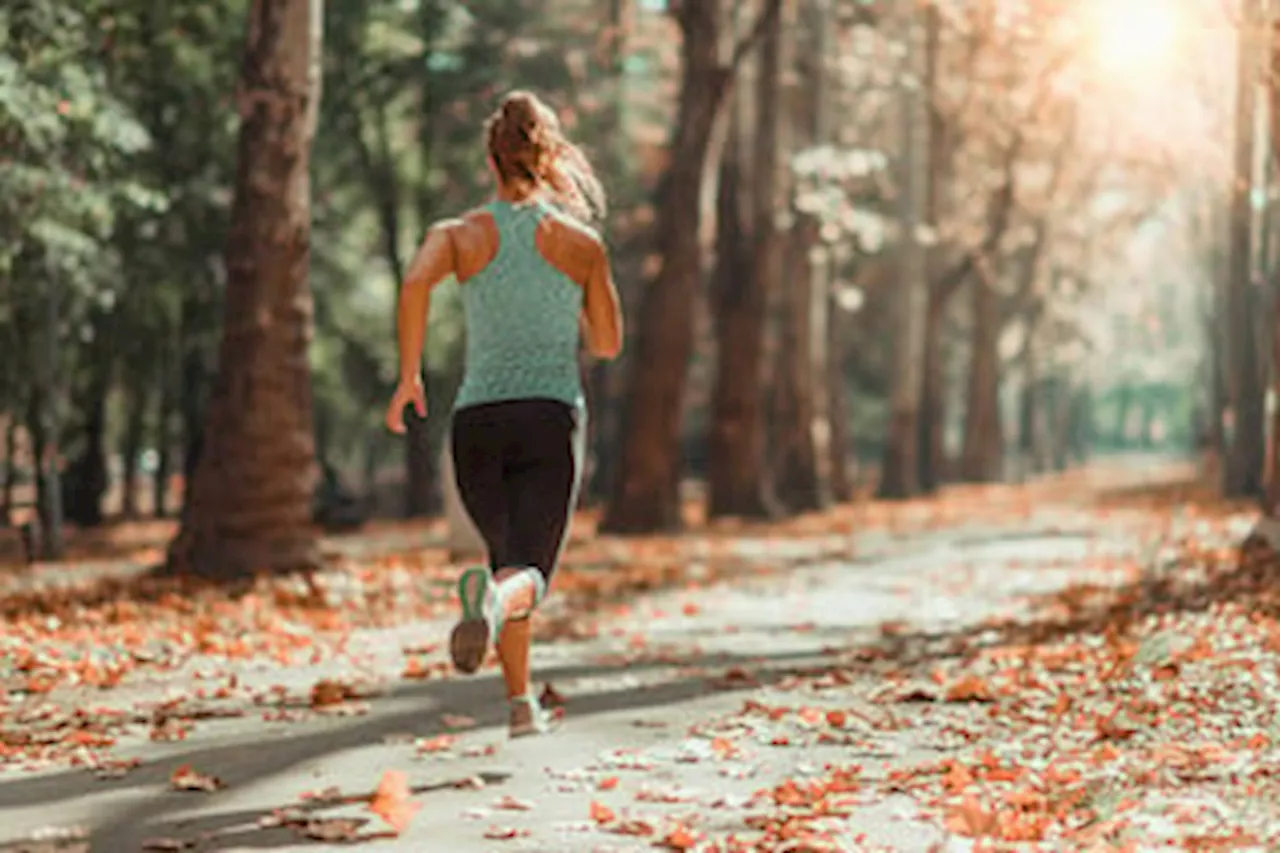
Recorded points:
(792, 451)
(932, 388)
(165, 414)
(801, 394)
(135, 430)
(932, 398)
(249, 502)
(645, 493)
(1272, 479)
(10, 468)
(748, 267)
(603, 385)
(980, 459)
(1244, 465)
(85, 481)
(48, 421)
(899, 473)
(843, 462)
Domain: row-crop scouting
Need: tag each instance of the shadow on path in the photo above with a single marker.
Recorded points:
(274, 752)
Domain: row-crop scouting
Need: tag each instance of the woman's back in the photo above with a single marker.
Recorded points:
(522, 313)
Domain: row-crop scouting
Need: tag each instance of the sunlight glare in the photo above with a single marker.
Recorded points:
(1136, 36)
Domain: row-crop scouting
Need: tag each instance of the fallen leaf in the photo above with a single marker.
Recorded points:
(332, 829)
(439, 743)
(186, 778)
(600, 813)
(970, 688)
(513, 804)
(326, 693)
(391, 801)
(680, 837)
(632, 827)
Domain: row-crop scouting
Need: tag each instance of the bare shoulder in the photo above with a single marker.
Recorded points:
(570, 246)
(475, 240)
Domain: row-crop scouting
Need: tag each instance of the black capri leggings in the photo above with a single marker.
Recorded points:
(518, 464)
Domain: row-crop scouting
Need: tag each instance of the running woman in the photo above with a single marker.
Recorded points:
(535, 284)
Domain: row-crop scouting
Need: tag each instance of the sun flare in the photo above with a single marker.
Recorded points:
(1136, 36)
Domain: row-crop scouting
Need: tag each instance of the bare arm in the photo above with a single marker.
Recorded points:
(435, 261)
(602, 312)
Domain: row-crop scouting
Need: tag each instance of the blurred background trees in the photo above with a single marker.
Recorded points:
(862, 245)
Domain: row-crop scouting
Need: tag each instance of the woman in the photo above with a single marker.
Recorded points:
(535, 281)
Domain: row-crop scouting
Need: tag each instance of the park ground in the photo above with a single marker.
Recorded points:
(1080, 663)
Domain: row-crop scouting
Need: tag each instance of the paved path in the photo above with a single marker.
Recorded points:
(663, 724)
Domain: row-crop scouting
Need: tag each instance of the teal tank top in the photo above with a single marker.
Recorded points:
(521, 316)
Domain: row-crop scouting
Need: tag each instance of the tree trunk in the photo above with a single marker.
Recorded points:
(793, 452)
(801, 446)
(44, 456)
(249, 503)
(602, 384)
(49, 423)
(165, 415)
(10, 468)
(1028, 412)
(10, 482)
(193, 378)
(843, 465)
(135, 433)
(748, 268)
(85, 481)
(900, 474)
(1245, 461)
(933, 402)
(980, 459)
(1272, 479)
(932, 398)
(645, 493)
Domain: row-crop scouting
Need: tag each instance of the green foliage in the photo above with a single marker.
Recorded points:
(117, 156)
(67, 141)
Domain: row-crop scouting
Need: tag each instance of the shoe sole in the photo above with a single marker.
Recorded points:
(468, 645)
(469, 640)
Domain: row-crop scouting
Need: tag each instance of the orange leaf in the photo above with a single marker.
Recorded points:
(957, 778)
(680, 838)
(185, 778)
(970, 819)
(391, 801)
(971, 688)
(601, 813)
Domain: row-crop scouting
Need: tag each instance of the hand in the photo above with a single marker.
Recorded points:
(408, 392)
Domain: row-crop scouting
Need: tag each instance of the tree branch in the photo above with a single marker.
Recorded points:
(768, 17)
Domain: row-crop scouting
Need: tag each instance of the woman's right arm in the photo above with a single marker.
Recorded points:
(602, 311)
(435, 261)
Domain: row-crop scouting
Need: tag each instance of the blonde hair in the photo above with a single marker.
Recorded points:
(526, 144)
